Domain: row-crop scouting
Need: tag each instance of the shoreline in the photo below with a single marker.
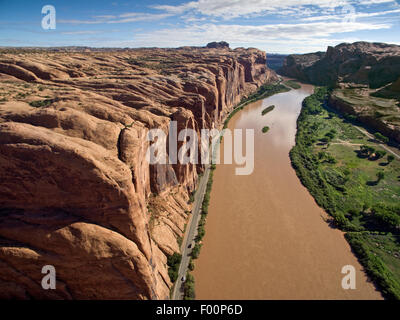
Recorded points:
(355, 235)
(258, 95)
(224, 268)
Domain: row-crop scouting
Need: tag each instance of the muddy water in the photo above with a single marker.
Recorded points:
(265, 236)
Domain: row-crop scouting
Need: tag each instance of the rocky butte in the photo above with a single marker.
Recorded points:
(76, 191)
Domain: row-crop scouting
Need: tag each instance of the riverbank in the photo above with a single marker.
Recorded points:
(353, 178)
(265, 236)
(263, 92)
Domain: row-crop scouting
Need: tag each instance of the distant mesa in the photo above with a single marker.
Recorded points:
(218, 45)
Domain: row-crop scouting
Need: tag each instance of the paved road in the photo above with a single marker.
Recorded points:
(191, 232)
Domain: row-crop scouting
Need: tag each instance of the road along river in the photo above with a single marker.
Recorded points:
(266, 238)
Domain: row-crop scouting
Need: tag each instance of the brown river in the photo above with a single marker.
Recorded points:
(266, 238)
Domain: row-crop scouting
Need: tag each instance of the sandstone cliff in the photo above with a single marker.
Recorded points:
(373, 64)
(366, 77)
(76, 191)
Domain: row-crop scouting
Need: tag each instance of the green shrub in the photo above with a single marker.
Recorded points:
(191, 265)
(188, 288)
(292, 84)
(379, 154)
(266, 110)
(374, 266)
(41, 103)
(196, 250)
(387, 216)
(191, 197)
(265, 129)
(173, 263)
(381, 137)
(380, 175)
(327, 184)
(366, 151)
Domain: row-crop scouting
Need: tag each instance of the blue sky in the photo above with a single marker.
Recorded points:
(284, 26)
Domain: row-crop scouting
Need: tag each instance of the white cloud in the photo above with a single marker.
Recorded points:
(246, 33)
(302, 37)
(236, 8)
(355, 15)
(122, 18)
(134, 17)
(370, 2)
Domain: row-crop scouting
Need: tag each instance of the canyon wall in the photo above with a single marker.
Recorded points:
(366, 78)
(372, 64)
(76, 190)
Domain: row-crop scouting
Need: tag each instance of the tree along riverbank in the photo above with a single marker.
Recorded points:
(263, 92)
(349, 176)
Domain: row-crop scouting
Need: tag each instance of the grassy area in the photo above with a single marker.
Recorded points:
(353, 180)
(366, 102)
(292, 84)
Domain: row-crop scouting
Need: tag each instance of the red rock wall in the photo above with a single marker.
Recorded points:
(76, 191)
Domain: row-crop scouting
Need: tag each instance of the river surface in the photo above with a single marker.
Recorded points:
(266, 238)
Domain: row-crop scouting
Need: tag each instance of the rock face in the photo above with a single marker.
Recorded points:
(373, 64)
(379, 114)
(366, 77)
(76, 190)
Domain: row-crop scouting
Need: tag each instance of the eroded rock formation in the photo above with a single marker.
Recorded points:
(373, 64)
(366, 77)
(76, 191)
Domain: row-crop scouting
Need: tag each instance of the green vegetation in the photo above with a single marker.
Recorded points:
(390, 158)
(41, 103)
(381, 137)
(179, 240)
(204, 211)
(188, 288)
(173, 263)
(380, 175)
(383, 109)
(263, 92)
(265, 129)
(338, 166)
(191, 265)
(292, 84)
(371, 153)
(196, 250)
(266, 91)
(379, 254)
(191, 197)
(266, 110)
